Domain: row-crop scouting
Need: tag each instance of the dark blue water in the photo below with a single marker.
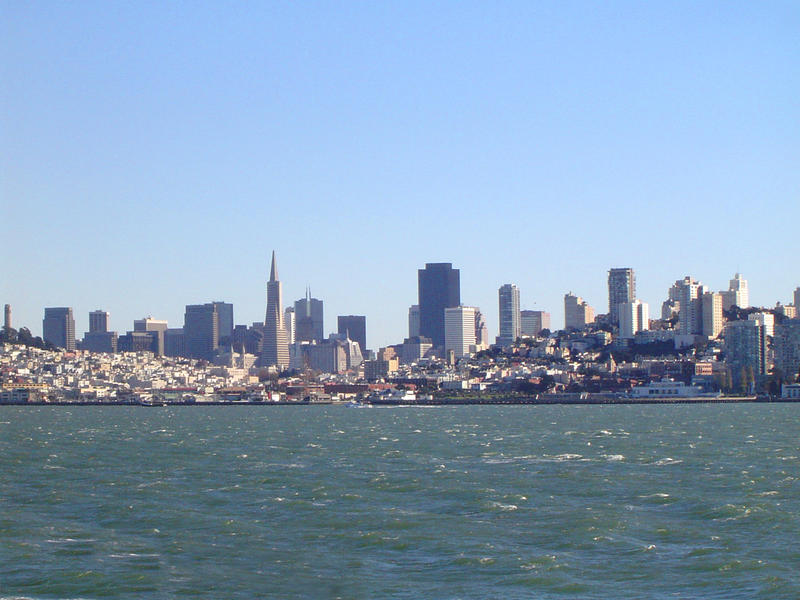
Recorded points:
(464, 502)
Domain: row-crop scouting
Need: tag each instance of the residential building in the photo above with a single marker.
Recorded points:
(796, 299)
(737, 293)
(58, 327)
(745, 350)
(355, 328)
(508, 301)
(766, 319)
(459, 328)
(633, 318)
(439, 287)
(621, 289)
(577, 313)
(786, 347)
(711, 306)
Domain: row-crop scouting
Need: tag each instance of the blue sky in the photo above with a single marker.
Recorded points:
(153, 154)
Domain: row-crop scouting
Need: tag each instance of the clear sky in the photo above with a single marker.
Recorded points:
(152, 155)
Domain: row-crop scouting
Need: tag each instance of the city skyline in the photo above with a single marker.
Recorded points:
(397, 337)
(593, 136)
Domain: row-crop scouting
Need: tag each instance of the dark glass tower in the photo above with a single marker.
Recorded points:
(355, 327)
(439, 288)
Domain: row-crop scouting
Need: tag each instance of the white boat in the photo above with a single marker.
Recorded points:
(669, 388)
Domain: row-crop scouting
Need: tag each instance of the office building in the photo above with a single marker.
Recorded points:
(174, 342)
(289, 324)
(737, 293)
(413, 349)
(459, 327)
(633, 318)
(508, 303)
(308, 319)
(577, 313)
(225, 317)
(439, 287)
(275, 346)
(141, 341)
(621, 289)
(355, 328)
(533, 321)
(98, 321)
(413, 321)
(58, 327)
(157, 327)
(201, 331)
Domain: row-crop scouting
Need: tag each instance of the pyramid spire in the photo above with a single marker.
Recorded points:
(273, 272)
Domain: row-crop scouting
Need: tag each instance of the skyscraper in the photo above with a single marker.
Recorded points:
(633, 317)
(459, 325)
(355, 326)
(413, 321)
(439, 288)
(201, 330)
(510, 325)
(225, 312)
(98, 321)
(711, 305)
(156, 327)
(621, 288)
(308, 315)
(688, 294)
(533, 321)
(275, 345)
(58, 327)
(796, 300)
(289, 323)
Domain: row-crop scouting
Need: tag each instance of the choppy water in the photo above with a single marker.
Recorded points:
(463, 502)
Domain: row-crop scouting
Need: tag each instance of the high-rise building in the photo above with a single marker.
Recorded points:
(711, 304)
(98, 321)
(174, 342)
(275, 346)
(413, 321)
(621, 288)
(355, 328)
(688, 294)
(508, 302)
(58, 327)
(633, 318)
(533, 321)
(439, 287)
(225, 314)
(289, 324)
(459, 327)
(7, 317)
(786, 346)
(796, 300)
(745, 350)
(201, 330)
(481, 331)
(577, 313)
(737, 293)
(157, 327)
(99, 338)
(308, 315)
(767, 320)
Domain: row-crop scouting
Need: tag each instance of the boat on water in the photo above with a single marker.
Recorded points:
(669, 388)
(392, 397)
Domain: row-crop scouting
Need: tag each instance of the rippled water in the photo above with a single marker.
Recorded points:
(463, 502)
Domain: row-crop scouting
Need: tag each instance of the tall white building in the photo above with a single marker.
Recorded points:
(577, 313)
(737, 293)
(633, 317)
(510, 329)
(713, 322)
(767, 320)
(459, 330)
(687, 292)
(289, 323)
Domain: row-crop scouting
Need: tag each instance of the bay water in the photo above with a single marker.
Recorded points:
(623, 501)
